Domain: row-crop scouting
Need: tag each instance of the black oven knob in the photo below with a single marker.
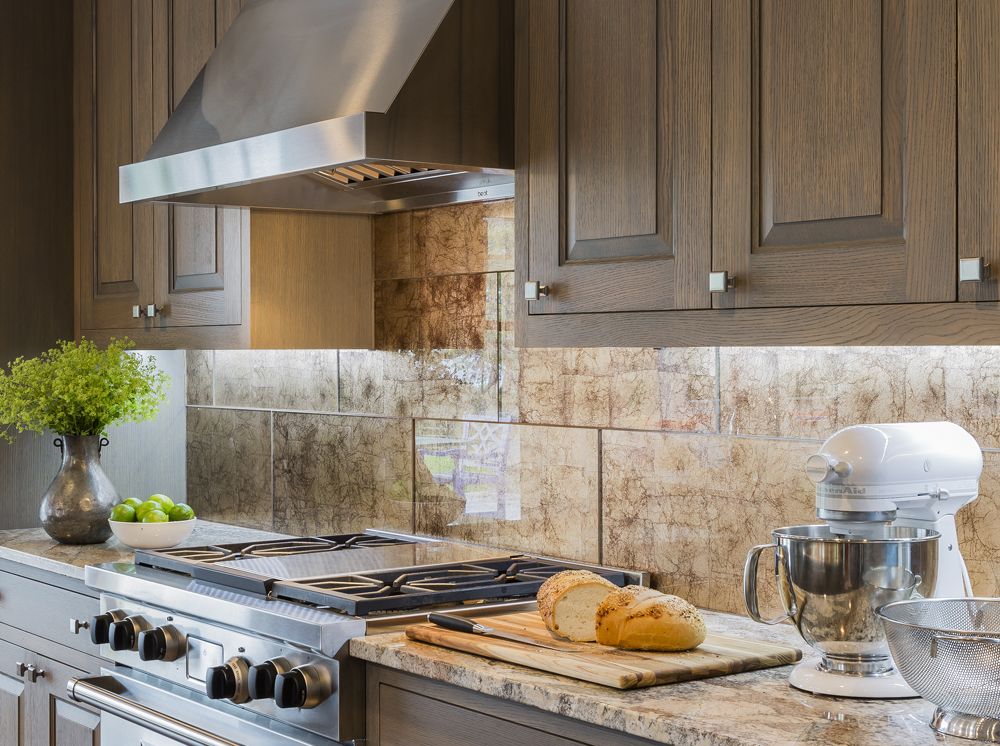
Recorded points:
(124, 634)
(100, 626)
(262, 677)
(160, 644)
(303, 686)
(228, 681)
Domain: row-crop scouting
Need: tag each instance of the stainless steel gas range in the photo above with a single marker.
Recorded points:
(247, 644)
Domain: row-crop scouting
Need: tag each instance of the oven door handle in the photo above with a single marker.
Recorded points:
(90, 692)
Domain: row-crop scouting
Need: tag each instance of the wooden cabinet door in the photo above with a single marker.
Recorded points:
(834, 120)
(199, 251)
(615, 100)
(113, 240)
(52, 718)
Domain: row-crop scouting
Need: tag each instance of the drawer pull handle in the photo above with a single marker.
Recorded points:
(31, 673)
(75, 625)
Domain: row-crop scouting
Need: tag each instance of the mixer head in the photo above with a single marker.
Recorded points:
(870, 475)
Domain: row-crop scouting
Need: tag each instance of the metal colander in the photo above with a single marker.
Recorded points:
(948, 650)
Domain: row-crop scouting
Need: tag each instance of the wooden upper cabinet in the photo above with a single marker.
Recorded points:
(199, 250)
(834, 120)
(615, 141)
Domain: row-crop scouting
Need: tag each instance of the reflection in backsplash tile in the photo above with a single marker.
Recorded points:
(277, 379)
(335, 474)
(532, 489)
(229, 466)
(674, 461)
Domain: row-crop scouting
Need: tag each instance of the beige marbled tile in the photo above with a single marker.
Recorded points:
(198, 365)
(435, 313)
(979, 530)
(635, 389)
(972, 391)
(337, 474)
(474, 237)
(688, 508)
(277, 379)
(533, 489)
(811, 392)
(229, 466)
(391, 238)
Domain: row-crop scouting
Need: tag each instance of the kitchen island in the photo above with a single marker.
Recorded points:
(758, 708)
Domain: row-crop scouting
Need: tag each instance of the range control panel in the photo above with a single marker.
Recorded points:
(270, 677)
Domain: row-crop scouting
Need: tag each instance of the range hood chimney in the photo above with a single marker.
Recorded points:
(362, 106)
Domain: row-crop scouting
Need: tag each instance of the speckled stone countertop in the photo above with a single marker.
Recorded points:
(34, 548)
(757, 708)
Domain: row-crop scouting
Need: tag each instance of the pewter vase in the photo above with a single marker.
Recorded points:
(78, 503)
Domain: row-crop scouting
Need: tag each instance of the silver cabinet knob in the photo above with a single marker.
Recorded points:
(535, 290)
(151, 310)
(973, 270)
(75, 625)
(20, 668)
(31, 674)
(720, 282)
(136, 312)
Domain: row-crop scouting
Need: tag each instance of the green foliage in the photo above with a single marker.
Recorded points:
(79, 389)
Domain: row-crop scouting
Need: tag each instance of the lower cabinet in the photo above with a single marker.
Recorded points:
(408, 710)
(34, 708)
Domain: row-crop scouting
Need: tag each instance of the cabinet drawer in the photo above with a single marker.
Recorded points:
(46, 610)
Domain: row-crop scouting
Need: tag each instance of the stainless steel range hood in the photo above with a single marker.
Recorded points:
(363, 106)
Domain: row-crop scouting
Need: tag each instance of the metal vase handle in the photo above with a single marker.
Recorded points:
(750, 584)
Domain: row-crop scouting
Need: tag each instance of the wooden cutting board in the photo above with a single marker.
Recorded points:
(719, 655)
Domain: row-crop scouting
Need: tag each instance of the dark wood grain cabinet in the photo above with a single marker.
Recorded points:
(134, 61)
(835, 158)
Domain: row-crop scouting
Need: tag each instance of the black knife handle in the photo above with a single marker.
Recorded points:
(454, 623)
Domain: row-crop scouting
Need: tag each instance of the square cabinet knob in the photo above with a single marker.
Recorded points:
(535, 290)
(720, 282)
(973, 270)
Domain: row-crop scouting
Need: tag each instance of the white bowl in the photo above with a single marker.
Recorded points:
(152, 535)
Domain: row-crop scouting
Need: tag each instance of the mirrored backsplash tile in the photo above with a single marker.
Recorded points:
(199, 376)
(437, 313)
(337, 474)
(229, 466)
(688, 508)
(277, 379)
(457, 239)
(532, 489)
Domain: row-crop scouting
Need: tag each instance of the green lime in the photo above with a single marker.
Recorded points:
(147, 506)
(135, 502)
(155, 516)
(124, 513)
(181, 512)
(163, 500)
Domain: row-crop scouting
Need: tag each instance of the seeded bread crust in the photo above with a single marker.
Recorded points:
(558, 585)
(636, 618)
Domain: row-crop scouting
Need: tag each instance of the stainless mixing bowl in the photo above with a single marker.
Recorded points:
(830, 587)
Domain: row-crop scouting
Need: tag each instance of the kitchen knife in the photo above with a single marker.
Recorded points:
(461, 624)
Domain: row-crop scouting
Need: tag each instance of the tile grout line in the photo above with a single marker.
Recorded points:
(338, 380)
(600, 497)
(413, 475)
(272, 470)
(499, 352)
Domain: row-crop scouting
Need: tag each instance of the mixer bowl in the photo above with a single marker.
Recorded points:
(831, 586)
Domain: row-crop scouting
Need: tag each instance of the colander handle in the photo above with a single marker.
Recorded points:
(750, 584)
(959, 638)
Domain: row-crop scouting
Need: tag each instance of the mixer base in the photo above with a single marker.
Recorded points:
(966, 726)
(807, 676)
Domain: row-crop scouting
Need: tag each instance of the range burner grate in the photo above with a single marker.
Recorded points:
(398, 590)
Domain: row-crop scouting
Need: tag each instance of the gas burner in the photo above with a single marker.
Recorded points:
(354, 585)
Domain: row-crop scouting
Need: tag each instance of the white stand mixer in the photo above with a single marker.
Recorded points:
(915, 475)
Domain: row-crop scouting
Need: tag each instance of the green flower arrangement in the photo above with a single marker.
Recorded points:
(79, 389)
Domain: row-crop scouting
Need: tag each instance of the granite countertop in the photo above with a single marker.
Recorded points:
(757, 708)
(34, 548)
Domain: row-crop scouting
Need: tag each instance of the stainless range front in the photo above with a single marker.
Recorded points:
(217, 646)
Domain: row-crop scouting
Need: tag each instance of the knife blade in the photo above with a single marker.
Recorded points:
(461, 624)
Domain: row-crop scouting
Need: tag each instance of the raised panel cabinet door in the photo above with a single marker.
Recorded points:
(199, 251)
(52, 718)
(834, 121)
(113, 240)
(615, 98)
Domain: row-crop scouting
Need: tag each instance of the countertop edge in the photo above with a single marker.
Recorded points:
(507, 681)
(46, 564)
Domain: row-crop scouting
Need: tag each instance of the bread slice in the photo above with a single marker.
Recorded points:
(568, 603)
(636, 618)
